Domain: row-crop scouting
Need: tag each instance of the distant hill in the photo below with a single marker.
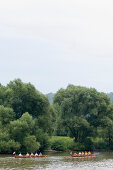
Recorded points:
(50, 97)
(111, 96)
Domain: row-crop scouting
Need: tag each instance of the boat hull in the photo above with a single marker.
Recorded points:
(82, 156)
(30, 156)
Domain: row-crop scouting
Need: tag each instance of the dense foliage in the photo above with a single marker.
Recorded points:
(25, 118)
(84, 114)
(28, 120)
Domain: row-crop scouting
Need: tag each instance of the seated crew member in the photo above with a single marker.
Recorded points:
(79, 153)
(82, 153)
(36, 154)
(85, 153)
(89, 153)
(27, 154)
(40, 154)
(75, 154)
(32, 154)
(20, 154)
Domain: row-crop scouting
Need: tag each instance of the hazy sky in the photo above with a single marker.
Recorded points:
(53, 43)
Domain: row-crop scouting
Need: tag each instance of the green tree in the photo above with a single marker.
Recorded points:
(7, 145)
(2, 94)
(81, 110)
(79, 128)
(30, 144)
(6, 115)
(23, 97)
(22, 127)
(107, 125)
(42, 138)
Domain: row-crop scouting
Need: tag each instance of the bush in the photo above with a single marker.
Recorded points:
(9, 146)
(76, 146)
(30, 144)
(59, 145)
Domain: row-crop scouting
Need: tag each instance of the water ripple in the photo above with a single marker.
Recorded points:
(58, 162)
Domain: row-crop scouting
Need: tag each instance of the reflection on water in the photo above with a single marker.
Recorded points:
(58, 161)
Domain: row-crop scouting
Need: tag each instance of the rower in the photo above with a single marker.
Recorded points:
(86, 153)
(27, 154)
(89, 153)
(40, 154)
(82, 153)
(32, 154)
(75, 154)
(79, 153)
(36, 154)
(20, 154)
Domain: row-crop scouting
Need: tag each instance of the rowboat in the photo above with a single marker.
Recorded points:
(82, 156)
(39, 156)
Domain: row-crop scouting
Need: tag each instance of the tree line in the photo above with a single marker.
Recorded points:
(28, 120)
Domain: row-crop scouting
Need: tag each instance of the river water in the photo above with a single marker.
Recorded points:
(58, 161)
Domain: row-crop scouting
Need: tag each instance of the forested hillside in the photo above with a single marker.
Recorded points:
(50, 97)
(111, 96)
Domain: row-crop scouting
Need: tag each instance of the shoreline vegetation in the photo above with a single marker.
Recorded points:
(78, 119)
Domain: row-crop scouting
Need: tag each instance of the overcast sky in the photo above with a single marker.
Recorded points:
(53, 43)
